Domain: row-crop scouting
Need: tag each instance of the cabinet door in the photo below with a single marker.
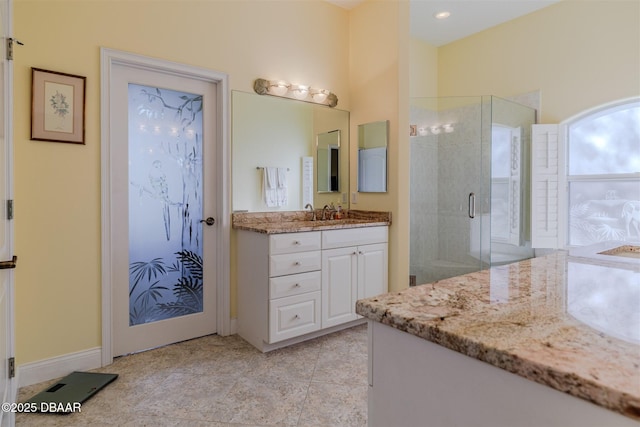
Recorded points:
(372, 270)
(339, 286)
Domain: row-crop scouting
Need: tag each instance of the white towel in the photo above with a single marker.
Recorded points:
(281, 192)
(270, 186)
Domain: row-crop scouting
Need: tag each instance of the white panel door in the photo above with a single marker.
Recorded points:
(163, 203)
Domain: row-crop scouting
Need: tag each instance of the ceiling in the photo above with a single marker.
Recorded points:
(467, 16)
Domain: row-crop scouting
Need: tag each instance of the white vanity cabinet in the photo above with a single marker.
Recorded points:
(278, 286)
(295, 286)
(354, 266)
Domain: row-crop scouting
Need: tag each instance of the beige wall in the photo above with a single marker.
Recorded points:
(378, 60)
(423, 77)
(578, 53)
(57, 186)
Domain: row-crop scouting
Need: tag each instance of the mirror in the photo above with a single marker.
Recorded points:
(328, 155)
(272, 132)
(372, 157)
(506, 149)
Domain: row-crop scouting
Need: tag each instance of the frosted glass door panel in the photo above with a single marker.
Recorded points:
(165, 204)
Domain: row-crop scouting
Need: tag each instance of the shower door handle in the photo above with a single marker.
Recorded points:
(472, 205)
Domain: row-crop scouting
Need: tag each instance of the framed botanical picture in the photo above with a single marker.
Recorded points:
(57, 106)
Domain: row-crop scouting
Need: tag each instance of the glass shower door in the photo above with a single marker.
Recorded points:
(450, 187)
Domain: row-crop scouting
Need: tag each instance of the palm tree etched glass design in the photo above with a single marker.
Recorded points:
(165, 204)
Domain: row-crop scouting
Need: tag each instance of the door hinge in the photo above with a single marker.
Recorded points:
(10, 42)
(12, 367)
(9, 209)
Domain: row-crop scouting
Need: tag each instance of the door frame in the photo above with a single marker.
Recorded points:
(8, 418)
(108, 59)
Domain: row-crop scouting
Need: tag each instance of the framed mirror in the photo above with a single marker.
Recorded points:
(328, 161)
(272, 132)
(372, 157)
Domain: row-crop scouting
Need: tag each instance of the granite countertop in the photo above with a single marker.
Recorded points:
(297, 221)
(572, 323)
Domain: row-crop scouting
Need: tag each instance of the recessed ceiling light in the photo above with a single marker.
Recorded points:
(442, 15)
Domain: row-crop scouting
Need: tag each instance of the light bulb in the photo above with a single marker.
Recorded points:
(299, 91)
(320, 95)
(278, 87)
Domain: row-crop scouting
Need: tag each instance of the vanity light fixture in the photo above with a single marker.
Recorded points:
(433, 129)
(278, 87)
(320, 95)
(442, 15)
(299, 91)
(295, 91)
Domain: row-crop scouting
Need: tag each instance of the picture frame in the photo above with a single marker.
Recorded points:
(57, 106)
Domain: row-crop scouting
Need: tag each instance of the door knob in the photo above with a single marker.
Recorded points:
(209, 221)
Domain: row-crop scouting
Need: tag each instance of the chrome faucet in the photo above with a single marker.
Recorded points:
(313, 212)
(331, 209)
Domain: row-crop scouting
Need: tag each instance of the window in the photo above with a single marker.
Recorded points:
(603, 175)
(586, 178)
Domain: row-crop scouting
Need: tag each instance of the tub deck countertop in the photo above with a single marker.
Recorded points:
(569, 322)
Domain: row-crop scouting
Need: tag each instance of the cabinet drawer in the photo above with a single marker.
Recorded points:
(294, 242)
(294, 284)
(353, 237)
(302, 262)
(293, 316)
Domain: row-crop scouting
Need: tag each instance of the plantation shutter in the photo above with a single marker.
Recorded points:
(545, 174)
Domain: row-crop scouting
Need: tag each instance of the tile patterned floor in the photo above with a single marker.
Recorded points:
(223, 381)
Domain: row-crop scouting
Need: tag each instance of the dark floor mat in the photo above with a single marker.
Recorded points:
(68, 394)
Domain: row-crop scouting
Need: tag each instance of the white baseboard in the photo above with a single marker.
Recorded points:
(59, 366)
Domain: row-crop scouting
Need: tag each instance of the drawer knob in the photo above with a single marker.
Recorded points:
(296, 242)
(296, 263)
(296, 317)
(297, 285)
